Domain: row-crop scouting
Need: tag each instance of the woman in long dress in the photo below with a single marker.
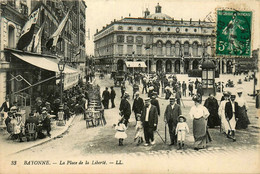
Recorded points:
(221, 112)
(199, 114)
(243, 120)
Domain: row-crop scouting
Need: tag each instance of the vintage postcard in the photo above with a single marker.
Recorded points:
(120, 86)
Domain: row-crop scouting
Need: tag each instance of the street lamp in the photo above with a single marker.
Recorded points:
(61, 66)
(147, 47)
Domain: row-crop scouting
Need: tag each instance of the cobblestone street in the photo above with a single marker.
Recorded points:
(81, 143)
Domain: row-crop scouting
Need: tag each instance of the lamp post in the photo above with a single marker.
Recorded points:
(61, 66)
(147, 47)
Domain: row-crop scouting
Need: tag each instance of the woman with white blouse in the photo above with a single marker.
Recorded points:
(243, 120)
(199, 114)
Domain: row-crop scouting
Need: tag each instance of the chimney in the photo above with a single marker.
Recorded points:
(190, 20)
(181, 20)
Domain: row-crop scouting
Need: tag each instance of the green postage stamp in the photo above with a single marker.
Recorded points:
(233, 33)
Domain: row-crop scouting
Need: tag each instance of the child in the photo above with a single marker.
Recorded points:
(181, 130)
(120, 133)
(139, 130)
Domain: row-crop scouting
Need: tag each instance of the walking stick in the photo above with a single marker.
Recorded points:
(231, 130)
(160, 136)
(182, 103)
(165, 132)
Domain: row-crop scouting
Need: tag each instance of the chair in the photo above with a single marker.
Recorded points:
(89, 119)
(32, 133)
(102, 115)
(97, 117)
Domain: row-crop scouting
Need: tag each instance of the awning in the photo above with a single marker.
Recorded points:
(137, 64)
(45, 63)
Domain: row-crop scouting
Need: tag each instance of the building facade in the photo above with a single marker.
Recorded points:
(162, 42)
(14, 14)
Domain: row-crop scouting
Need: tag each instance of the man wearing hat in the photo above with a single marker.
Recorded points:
(125, 107)
(46, 123)
(171, 114)
(138, 105)
(106, 97)
(149, 119)
(112, 96)
(231, 113)
(6, 107)
(155, 102)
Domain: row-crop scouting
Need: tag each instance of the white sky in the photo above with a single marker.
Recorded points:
(102, 12)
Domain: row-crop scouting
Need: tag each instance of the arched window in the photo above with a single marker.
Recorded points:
(120, 28)
(186, 49)
(139, 28)
(159, 48)
(177, 48)
(168, 48)
(11, 37)
(195, 49)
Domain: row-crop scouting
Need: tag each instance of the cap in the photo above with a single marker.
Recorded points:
(196, 98)
(44, 109)
(47, 103)
(137, 93)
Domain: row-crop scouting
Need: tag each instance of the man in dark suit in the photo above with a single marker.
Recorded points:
(231, 113)
(112, 96)
(138, 105)
(155, 102)
(6, 107)
(125, 107)
(171, 114)
(106, 97)
(184, 87)
(149, 119)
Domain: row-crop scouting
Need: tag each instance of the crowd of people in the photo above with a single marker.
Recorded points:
(43, 110)
(229, 114)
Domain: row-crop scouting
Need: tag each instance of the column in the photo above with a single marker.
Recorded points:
(163, 50)
(163, 66)
(190, 65)
(173, 66)
(225, 66)
(153, 66)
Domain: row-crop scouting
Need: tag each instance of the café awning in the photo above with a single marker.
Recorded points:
(137, 64)
(46, 63)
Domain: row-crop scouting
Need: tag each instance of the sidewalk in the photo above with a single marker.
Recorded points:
(9, 147)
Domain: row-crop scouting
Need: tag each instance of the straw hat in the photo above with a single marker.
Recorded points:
(181, 116)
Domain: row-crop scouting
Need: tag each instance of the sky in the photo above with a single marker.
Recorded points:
(102, 12)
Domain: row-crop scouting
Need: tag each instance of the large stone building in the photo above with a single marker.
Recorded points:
(170, 45)
(14, 14)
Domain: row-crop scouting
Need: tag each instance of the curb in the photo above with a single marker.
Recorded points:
(47, 140)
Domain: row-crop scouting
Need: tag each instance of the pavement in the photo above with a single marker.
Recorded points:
(58, 131)
(8, 147)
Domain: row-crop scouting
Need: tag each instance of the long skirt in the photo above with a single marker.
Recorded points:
(200, 133)
(243, 120)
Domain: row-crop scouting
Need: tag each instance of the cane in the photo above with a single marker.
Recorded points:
(165, 132)
(231, 130)
(160, 136)
(182, 103)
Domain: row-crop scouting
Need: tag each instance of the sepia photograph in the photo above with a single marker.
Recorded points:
(129, 86)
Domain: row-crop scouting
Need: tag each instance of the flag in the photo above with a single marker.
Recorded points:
(37, 37)
(28, 31)
(52, 42)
